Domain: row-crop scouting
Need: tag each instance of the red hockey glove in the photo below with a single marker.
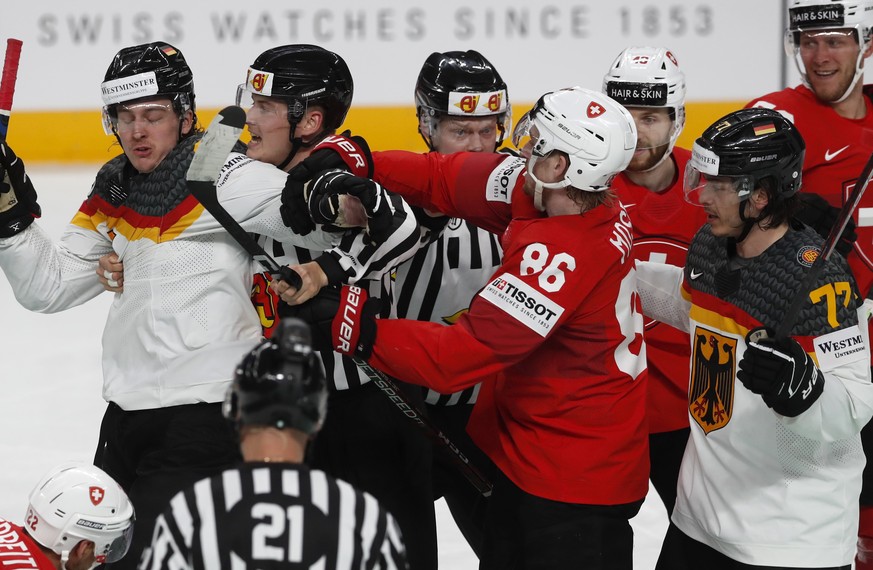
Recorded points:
(781, 372)
(343, 320)
(334, 152)
(18, 205)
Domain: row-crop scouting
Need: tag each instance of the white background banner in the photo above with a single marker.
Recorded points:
(728, 50)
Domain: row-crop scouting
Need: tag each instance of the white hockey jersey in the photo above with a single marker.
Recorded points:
(185, 318)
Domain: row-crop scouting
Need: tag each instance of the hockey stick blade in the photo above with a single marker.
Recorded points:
(7, 83)
(827, 250)
(203, 172)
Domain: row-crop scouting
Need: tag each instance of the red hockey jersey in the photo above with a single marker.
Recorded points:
(555, 336)
(19, 551)
(836, 151)
(664, 224)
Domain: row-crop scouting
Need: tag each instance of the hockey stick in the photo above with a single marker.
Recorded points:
(790, 317)
(7, 83)
(216, 144)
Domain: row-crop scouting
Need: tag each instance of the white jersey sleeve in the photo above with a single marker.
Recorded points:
(660, 289)
(48, 277)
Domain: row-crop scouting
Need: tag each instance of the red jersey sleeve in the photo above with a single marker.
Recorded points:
(482, 188)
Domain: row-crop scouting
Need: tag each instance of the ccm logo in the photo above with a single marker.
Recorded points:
(346, 326)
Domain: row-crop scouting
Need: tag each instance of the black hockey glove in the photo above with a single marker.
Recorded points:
(781, 372)
(343, 320)
(334, 152)
(821, 217)
(18, 205)
(324, 206)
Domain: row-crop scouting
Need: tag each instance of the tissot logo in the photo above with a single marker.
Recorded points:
(523, 302)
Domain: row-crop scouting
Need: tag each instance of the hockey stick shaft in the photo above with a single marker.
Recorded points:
(7, 83)
(827, 250)
(216, 145)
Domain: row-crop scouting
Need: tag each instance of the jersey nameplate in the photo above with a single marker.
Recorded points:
(502, 179)
(523, 303)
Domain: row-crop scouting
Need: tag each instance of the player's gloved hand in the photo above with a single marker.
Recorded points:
(18, 205)
(781, 372)
(344, 152)
(323, 195)
(821, 217)
(343, 320)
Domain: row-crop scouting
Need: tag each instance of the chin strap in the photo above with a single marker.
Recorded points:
(539, 185)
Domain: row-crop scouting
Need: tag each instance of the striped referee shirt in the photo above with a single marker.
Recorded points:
(439, 282)
(270, 515)
(365, 264)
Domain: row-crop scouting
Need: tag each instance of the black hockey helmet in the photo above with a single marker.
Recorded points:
(464, 84)
(280, 383)
(148, 70)
(749, 145)
(303, 75)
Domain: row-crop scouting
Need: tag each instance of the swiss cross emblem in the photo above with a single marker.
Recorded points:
(595, 110)
(96, 495)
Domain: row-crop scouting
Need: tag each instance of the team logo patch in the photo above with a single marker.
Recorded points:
(523, 302)
(260, 81)
(96, 495)
(477, 104)
(595, 109)
(807, 255)
(503, 179)
(672, 58)
(713, 368)
(841, 347)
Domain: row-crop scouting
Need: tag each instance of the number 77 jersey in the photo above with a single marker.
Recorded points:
(555, 336)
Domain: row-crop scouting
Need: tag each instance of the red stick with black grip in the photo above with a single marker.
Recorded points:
(7, 83)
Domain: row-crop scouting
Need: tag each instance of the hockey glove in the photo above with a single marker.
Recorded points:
(18, 205)
(343, 320)
(821, 217)
(781, 372)
(334, 152)
(323, 197)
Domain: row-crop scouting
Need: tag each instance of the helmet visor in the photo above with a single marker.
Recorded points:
(125, 116)
(698, 186)
(113, 551)
(527, 135)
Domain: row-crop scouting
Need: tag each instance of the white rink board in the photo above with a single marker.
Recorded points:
(729, 50)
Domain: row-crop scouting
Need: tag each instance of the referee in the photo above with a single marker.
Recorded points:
(273, 511)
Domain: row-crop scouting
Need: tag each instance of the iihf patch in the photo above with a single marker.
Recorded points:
(522, 302)
(807, 255)
(502, 179)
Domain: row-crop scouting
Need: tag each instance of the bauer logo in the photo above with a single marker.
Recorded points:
(841, 347)
(523, 302)
(503, 179)
(127, 88)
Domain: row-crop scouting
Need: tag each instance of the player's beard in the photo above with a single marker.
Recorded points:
(831, 91)
(648, 159)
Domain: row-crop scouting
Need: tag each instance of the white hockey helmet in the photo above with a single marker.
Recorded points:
(649, 77)
(597, 134)
(75, 502)
(809, 15)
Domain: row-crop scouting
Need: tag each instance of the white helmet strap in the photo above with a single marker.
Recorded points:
(539, 185)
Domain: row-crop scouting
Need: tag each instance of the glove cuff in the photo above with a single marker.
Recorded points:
(15, 226)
